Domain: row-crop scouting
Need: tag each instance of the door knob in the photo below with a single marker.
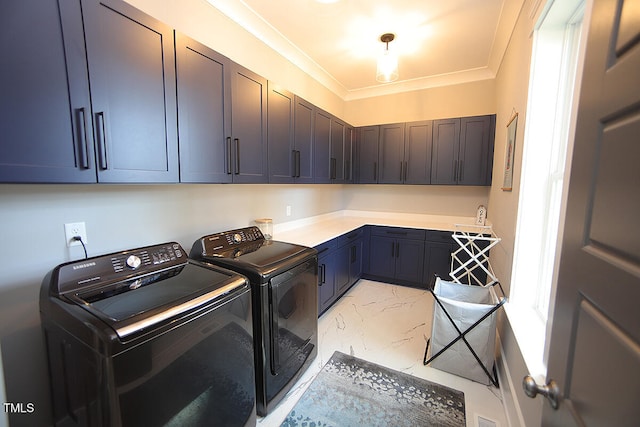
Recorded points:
(551, 390)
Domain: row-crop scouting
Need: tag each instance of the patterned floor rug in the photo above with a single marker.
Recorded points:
(353, 392)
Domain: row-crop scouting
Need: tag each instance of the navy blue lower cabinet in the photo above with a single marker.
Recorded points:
(340, 265)
(396, 255)
(326, 275)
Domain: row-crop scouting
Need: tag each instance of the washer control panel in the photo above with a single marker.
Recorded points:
(215, 244)
(120, 265)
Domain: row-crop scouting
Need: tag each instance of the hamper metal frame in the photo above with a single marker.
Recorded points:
(462, 334)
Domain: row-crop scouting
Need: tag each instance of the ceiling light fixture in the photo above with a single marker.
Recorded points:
(387, 70)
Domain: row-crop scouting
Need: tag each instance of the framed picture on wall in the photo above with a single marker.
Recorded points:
(507, 183)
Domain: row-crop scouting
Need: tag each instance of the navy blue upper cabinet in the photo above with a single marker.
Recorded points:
(405, 153)
(204, 112)
(45, 130)
(477, 139)
(417, 152)
(337, 150)
(222, 117)
(248, 139)
(51, 132)
(280, 135)
(133, 90)
(322, 170)
(303, 140)
(463, 151)
(391, 154)
(290, 137)
(367, 154)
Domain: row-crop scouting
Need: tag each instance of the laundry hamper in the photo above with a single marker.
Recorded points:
(463, 332)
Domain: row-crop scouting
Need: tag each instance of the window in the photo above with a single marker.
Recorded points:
(551, 92)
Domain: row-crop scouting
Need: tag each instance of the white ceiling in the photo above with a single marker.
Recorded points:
(439, 42)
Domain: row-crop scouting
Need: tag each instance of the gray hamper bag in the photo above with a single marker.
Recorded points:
(465, 305)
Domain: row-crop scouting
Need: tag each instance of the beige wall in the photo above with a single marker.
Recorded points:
(203, 22)
(468, 99)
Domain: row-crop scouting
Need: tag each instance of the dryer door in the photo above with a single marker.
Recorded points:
(293, 316)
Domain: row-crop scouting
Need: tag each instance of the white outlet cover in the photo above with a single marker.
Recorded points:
(75, 229)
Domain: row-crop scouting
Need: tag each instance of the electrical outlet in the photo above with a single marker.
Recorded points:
(288, 210)
(73, 229)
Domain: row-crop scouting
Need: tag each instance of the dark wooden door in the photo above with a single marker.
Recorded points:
(417, 152)
(321, 147)
(446, 144)
(367, 154)
(204, 112)
(303, 140)
(391, 154)
(476, 150)
(45, 130)
(594, 353)
(248, 139)
(133, 90)
(280, 136)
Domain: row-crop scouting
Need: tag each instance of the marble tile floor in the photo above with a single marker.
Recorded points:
(388, 325)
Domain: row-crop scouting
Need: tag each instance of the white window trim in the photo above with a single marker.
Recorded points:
(530, 308)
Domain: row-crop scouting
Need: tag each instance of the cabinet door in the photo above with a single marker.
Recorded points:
(356, 260)
(204, 107)
(303, 140)
(417, 152)
(476, 150)
(382, 256)
(326, 281)
(367, 154)
(45, 130)
(349, 148)
(409, 260)
(342, 269)
(280, 137)
(446, 144)
(337, 150)
(249, 126)
(133, 90)
(437, 261)
(322, 147)
(392, 154)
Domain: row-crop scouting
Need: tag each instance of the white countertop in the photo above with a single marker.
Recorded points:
(319, 229)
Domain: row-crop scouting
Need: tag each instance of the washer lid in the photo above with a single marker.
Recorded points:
(137, 305)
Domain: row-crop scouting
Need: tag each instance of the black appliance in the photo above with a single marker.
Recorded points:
(283, 279)
(146, 337)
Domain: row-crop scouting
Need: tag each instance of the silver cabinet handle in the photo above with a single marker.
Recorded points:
(551, 390)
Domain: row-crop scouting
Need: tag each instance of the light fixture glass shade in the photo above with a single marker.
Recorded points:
(387, 70)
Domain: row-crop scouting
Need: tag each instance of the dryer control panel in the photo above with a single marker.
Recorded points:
(215, 244)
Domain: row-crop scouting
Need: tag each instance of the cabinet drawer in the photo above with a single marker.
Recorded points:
(398, 232)
(350, 236)
(326, 247)
(439, 236)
